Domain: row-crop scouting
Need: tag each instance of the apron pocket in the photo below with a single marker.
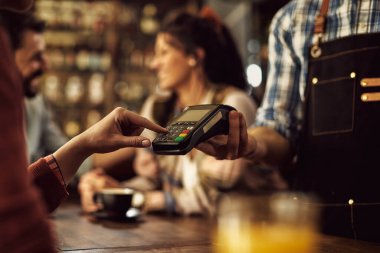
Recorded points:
(333, 103)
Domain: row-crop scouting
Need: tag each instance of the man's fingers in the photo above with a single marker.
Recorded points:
(233, 135)
(206, 148)
(243, 134)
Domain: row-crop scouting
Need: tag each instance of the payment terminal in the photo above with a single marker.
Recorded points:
(194, 125)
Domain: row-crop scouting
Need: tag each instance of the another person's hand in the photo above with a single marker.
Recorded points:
(146, 164)
(237, 144)
(223, 173)
(154, 201)
(119, 129)
(90, 183)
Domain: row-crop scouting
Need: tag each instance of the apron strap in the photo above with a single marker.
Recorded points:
(319, 29)
(319, 25)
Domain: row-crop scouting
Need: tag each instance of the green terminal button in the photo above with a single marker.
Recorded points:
(179, 139)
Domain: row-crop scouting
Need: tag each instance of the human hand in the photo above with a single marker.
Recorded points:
(119, 129)
(146, 164)
(232, 146)
(90, 183)
(224, 173)
(154, 201)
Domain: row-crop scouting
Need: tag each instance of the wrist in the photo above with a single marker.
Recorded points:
(70, 156)
(80, 144)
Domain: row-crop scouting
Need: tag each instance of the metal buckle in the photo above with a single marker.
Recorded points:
(315, 50)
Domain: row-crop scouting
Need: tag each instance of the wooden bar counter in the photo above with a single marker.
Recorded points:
(158, 234)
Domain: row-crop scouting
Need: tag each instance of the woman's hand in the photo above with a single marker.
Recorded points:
(154, 201)
(119, 129)
(90, 183)
(237, 144)
(224, 173)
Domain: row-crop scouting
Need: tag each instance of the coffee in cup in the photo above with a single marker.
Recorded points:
(116, 202)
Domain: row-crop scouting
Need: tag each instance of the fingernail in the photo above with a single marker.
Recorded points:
(145, 143)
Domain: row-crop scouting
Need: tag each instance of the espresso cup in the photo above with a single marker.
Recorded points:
(115, 202)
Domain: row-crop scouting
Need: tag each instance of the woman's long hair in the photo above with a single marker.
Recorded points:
(222, 62)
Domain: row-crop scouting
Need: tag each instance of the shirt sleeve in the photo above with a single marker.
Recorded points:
(23, 223)
(281, 106)
(49, 180)
(243, 103)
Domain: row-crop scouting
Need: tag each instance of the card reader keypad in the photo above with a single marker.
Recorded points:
(177, 132)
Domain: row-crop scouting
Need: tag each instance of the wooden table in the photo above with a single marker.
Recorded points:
(158, 234)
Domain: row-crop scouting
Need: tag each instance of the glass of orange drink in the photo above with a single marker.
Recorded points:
(271, 223)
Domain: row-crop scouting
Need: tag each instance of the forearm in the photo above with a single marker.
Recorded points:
(70, 156)
(119, 129)
(270, 147)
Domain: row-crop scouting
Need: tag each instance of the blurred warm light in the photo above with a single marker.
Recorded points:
(254, 75)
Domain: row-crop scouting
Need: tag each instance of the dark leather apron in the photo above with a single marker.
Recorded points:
(339, 155)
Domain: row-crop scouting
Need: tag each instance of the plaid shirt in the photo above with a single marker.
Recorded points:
(289, 42)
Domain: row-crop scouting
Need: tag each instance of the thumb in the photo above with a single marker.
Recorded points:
(135, 141)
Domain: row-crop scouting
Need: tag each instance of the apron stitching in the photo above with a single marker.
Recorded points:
(332, 132)
(333, 80)
(314, 109)
(344, 204)
(345, 53)
(352, 221)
